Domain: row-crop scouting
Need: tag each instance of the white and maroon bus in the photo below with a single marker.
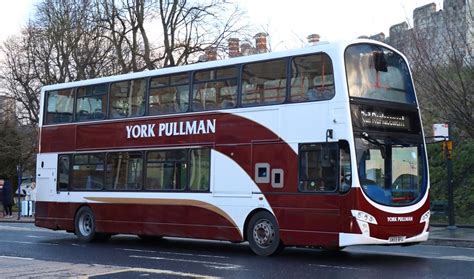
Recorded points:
(321, 146)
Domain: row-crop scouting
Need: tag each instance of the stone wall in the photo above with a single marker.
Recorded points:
(436, 32)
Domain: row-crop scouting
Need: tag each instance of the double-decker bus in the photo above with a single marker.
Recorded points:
(321, 147)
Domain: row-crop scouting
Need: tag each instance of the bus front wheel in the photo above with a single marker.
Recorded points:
(85, 225)
(263, 234)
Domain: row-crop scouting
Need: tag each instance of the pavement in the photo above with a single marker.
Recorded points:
(458, 236)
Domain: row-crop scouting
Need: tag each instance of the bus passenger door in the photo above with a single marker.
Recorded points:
(312, 213)
(46, 165)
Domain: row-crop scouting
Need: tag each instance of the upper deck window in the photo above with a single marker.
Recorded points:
(60, 104)
(215, 89)
(264, 83)
(127, 98)
(91, 102)
(375, 72)
(169, 94)
(312, 78)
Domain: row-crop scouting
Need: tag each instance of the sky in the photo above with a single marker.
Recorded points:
(287, 22)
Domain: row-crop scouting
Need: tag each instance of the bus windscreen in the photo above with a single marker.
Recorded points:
(375, 72)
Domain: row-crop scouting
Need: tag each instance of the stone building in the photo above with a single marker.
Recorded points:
(438, 33)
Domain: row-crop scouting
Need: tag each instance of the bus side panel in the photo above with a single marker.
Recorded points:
(164, 220)
(46, 165)
(55, 215)
(304, 218)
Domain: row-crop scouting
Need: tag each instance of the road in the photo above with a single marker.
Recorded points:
(30, 252)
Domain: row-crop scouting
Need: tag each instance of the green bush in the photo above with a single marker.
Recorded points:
(463, 180)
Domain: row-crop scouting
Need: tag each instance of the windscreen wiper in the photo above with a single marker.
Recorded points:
(382, 146)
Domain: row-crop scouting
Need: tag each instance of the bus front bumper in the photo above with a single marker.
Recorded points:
(348, 239)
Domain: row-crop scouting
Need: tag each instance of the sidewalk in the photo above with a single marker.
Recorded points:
(439, 235)
(14, 219)
(459, 236)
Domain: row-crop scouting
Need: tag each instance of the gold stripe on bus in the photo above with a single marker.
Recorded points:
(179, 202)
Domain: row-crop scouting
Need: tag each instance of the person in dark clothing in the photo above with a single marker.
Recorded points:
(7, 198)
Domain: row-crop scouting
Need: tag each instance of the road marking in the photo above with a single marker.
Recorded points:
(154, 271)
(17, 258)
(215, 265)
(172, 253)
(194, 255)
(458, 258)
(338, 267)
(34, 236)
(29, 243)
(136, 250)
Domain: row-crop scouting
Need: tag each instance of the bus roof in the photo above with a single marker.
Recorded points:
(320, 47)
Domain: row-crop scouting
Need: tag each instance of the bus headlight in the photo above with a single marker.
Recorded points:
(425, 217)
(364, 217)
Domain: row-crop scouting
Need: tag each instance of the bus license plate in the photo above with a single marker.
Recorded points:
(396, 239)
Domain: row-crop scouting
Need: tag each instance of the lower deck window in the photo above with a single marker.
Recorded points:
(157, 170)
(166, 170)
(124, 171)
(200, 169)
(88, 171)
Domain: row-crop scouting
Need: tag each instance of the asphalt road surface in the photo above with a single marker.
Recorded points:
(30, 252)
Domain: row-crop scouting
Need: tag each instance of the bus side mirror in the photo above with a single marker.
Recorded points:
(380, 62)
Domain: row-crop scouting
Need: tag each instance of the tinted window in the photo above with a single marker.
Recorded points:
(318, 167)
(91, 102)
(127, 98)
(264, 83)
(64, 169)
(200, 169)
(166, 170)
(312, 78)
(124, 171)
(216, 89)
(169, 94)
(88, 171)
(60, 105)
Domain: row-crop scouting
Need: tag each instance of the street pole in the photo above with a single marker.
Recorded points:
(18, 170)
(449, 167)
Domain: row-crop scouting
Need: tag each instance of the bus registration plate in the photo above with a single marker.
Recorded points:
(396, 239)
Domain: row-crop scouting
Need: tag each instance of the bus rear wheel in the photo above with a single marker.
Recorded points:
(263, 234)
(85, 225)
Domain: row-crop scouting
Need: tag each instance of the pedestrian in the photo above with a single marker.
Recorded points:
(1, 196)
(7, 198)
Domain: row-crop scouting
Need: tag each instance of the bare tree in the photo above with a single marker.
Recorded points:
(19, 78)
(440, 49)
(189, 27)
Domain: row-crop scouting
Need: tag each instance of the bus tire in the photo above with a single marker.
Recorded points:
(263, 234)
(84, 225)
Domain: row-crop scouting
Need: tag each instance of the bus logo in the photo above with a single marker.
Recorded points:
(178, 128)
